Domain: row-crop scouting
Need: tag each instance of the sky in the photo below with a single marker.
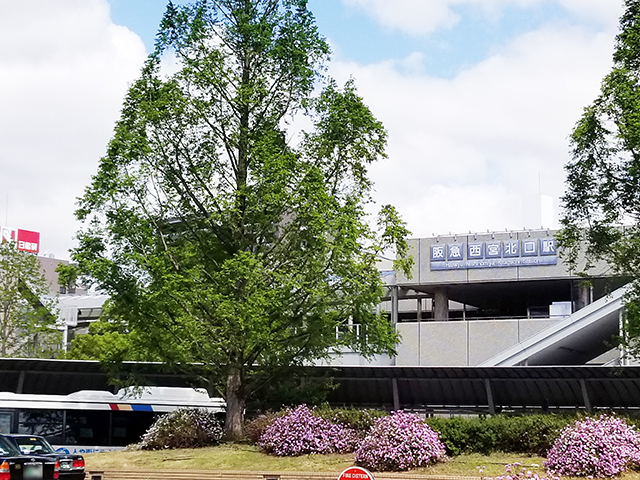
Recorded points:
(479, 98)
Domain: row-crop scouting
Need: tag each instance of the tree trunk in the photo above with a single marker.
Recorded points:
(235, 398)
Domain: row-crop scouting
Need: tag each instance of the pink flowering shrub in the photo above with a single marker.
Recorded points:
(301, 432)
(512, 472)
(399, 442)
(598, 447)
(182, 428)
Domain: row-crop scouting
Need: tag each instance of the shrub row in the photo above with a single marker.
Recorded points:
(531, 434)
(590, 446)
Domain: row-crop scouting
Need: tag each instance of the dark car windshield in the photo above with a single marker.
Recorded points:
(33, 445)
(7, 448)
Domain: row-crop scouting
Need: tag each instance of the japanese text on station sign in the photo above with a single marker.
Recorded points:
(507, 253)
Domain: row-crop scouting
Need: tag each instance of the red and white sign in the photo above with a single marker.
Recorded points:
(25, 240)
(28, 241)
(356, 473)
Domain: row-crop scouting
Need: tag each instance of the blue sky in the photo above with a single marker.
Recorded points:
(361, 38)
(478, 97)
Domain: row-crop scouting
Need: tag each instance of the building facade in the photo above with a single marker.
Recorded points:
(499, 299)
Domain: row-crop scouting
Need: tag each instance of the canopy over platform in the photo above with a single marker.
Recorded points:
(477, 389)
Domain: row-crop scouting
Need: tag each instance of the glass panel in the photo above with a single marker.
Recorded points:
(5, 422)
(128, 427)
(87, 427)
(6, 448)
(46, 423)
(33, 445)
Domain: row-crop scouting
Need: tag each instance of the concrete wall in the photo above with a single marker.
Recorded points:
(352, 359)
(460, 343)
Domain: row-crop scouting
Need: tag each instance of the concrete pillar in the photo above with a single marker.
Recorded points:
(394, 305)
(440, 305)
(584, 295)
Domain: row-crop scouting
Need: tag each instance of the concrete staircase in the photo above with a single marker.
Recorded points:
(574, 340)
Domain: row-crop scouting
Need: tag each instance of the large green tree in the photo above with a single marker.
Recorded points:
(602, 204)
(28, 315)
(223, 237)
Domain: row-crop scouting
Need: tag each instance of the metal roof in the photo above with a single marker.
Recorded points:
(423, 388)
(489, 389)
(61, 377)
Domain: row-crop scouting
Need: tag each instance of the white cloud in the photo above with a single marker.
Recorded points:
(419, 17)
(463, 152)
(61, 86)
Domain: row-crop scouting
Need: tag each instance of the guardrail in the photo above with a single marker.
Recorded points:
(246, 475)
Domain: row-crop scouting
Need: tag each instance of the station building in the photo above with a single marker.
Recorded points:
(499, 299)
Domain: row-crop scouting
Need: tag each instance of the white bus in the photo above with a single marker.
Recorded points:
(90, 420)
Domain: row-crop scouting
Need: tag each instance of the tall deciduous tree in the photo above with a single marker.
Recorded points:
(602, 203)
(27, 316)
(221, 239)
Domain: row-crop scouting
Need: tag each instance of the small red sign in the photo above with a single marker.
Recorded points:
(28, 241)
(356, 473)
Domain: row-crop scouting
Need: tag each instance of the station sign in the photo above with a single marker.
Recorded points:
(494, 254)
(25, 240)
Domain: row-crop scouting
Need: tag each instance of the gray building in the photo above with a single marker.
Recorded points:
(499, 299)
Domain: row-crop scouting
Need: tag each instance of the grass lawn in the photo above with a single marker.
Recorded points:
(248, 457)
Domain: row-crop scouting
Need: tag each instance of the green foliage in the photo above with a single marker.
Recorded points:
(221, 240)
(27, 315)
(360, 420)
(531, 434)
(602, 203)
(67, 275)
(106, 341)
(293, 387)
(255, 427)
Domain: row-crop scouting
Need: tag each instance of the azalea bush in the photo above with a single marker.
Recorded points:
(183, 428)
(300, 432)
(598, 447)
(399, 442)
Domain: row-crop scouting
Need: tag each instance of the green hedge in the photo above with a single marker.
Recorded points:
(361, 420)
(530, 434)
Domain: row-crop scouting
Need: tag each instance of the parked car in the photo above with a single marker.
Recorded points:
(71, 465)
(16, 466)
